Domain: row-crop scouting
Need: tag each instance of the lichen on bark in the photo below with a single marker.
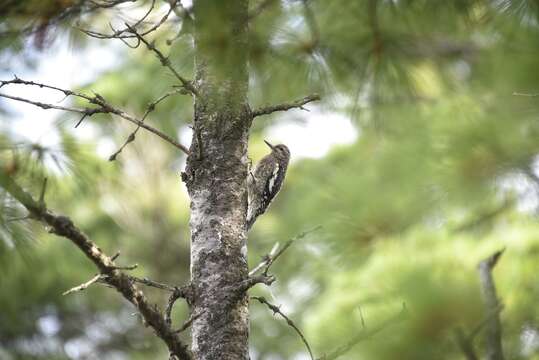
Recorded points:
(215, 176)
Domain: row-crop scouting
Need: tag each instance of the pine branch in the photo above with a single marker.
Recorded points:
(285, 106)
(165, 61)
(103, 107)
(109, 273)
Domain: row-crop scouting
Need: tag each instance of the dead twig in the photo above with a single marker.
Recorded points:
(85, 285)
(290, 323)
(123, 34)
(63, 226)
(364, 335)
(152, 283)
(165, 61)
(178, 292)
(151, 107)
(525, 94)
(102, 107)
(275, 252)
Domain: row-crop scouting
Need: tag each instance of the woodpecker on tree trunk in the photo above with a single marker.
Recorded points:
(266, 180)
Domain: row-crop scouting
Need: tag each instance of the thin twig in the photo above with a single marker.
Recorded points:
(176, 294)
(465, 344)
(290, 323)
(286, 106)
(525, 94)
(80, 8)
(252, 281)
(364, 335)
(151, 107)
(121, 34)
(127, 268)
(270, 258)
(477, 329)
(103, 107)
(165, 61)
(152, 283)
(83, 286)
(266, 259)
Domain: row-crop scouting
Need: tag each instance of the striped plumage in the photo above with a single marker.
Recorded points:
(266, 180)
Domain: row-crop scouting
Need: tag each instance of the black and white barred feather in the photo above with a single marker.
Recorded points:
(266, 180)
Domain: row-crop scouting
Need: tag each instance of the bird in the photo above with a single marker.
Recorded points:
(266, 180)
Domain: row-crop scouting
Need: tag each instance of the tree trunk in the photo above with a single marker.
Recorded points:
(215, 176)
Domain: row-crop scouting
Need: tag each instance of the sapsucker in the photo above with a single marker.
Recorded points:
(266, 180)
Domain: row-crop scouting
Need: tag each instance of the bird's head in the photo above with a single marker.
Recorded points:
(280, 150)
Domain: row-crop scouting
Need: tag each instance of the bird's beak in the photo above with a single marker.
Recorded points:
(271, 146)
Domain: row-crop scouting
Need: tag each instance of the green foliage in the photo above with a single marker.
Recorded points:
(443, 173)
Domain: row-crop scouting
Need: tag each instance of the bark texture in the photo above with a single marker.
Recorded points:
(215, 176)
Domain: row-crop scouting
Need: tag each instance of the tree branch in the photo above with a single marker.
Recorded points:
(151, 107)
(465, 345)
(120, 34)
(290, 323)
(275, 252)
(182, 292)
(165, 61)
(85, 285)
(63, 226)
(494, 350)
(525, 94)
(102, 107)
(364, 335)
(151, 283)
(286, 106)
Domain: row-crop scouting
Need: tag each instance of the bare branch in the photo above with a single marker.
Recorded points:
(265, 260)
(253, 280)
(45, 106)
(495, 312)
(286, 106)
(182, 292)
(494, 350)
(83, 286)
(275, 253)
(151, 107)
(63, 226)
(465, 345)
(165, 61)
(364, 335)
(103, 107)
(525, 94)
(155, 284)
(79, 7)
(125, 33)
(485, 217)
(290, 323)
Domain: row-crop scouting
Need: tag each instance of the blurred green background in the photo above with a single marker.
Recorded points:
(418, 162)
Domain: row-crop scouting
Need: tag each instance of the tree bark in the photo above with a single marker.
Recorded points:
(216, 175)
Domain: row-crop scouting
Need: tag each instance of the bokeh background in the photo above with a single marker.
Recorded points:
(420, 160)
